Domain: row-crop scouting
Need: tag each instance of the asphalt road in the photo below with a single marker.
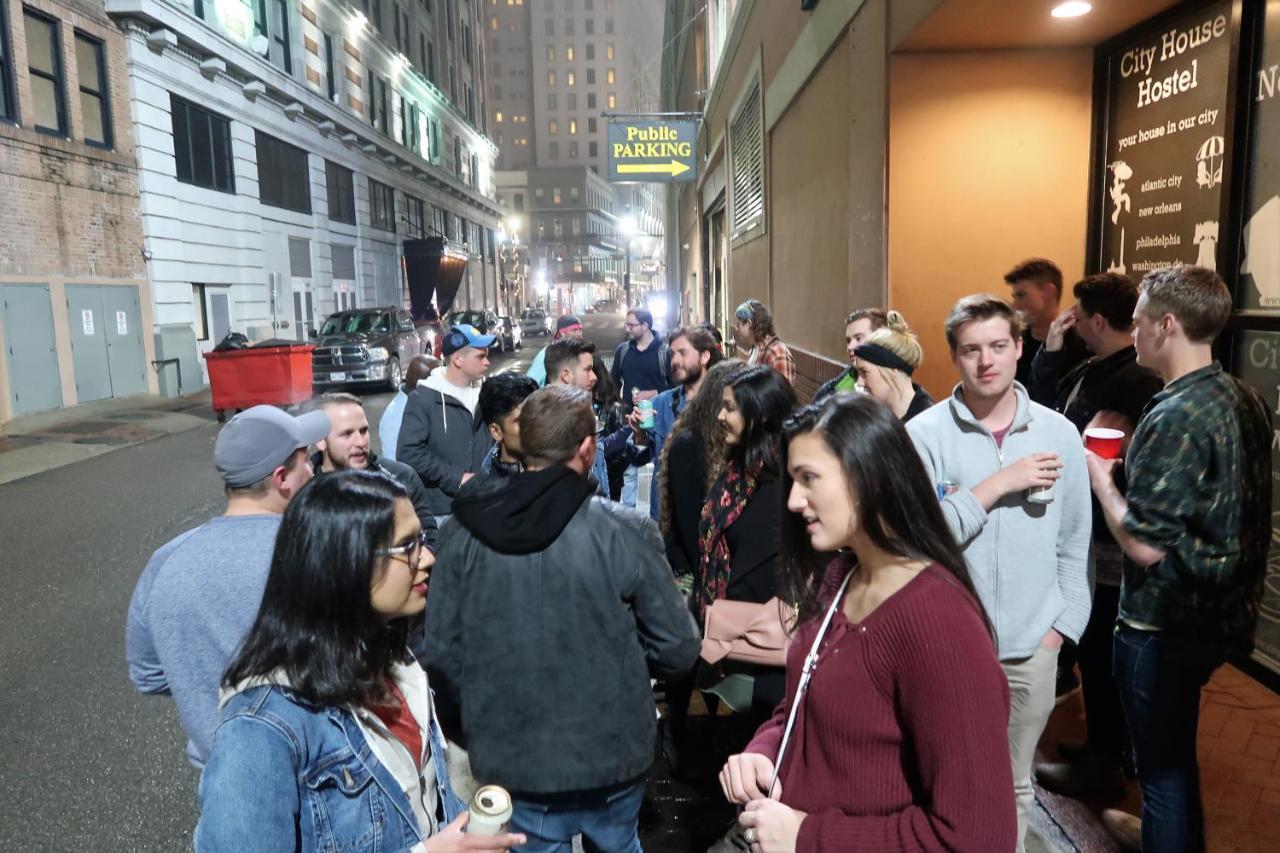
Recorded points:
(87, 763)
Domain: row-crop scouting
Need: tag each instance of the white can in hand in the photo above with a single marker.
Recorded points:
(490, 811)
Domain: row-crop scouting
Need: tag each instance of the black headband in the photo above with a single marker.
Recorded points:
(878, 355)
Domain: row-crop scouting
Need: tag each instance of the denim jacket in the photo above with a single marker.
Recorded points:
(288, 775)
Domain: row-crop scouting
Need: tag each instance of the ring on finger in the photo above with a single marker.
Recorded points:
(749, 835)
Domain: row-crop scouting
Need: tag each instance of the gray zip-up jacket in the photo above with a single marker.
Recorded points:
(1029, 561)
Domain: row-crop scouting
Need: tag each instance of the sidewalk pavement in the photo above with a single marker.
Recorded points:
(32, 444)
(1239, 750)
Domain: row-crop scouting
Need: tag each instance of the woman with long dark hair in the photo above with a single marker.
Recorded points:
(899, 741)
(738, 533)
(691, 458)
(328, 738)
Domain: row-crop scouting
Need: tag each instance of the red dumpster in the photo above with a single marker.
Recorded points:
(240, 378)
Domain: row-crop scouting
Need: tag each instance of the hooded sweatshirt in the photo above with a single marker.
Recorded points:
(1029, 561)
(442, 437)
(549, 589)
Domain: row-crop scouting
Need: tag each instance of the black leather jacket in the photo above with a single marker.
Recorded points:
(549, 610)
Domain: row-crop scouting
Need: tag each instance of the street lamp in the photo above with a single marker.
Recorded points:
(627, 229)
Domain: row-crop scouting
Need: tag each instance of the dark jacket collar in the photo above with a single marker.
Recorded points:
(526, 513)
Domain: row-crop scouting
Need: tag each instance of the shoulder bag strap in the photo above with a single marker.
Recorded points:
(805, 674)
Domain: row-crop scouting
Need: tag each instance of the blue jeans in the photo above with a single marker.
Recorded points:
(630, 486)
(607, 819)
(1159, 676)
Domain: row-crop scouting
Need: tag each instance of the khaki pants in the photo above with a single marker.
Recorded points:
(1031, 696)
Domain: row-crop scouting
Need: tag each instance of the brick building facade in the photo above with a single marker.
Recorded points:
(71, 256)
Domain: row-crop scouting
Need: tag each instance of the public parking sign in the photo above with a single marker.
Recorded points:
(652, 150)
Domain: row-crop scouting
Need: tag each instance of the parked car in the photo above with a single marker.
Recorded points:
(365, 346)
(431, 330)
(485, 322)
(534, 321)
(511, 337)
(604, 306)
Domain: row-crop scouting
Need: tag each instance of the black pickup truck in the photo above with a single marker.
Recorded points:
(365, 346)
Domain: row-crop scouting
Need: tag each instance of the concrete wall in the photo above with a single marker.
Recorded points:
(988, 165)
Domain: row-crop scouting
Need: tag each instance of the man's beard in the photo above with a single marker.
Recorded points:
(691, 376)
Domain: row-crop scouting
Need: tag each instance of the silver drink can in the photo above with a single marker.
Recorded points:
(490, 811)
(947, 487)
(1041, 494)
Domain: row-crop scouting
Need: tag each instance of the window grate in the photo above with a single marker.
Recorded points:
(746, 145)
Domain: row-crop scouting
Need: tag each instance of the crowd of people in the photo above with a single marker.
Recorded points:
(877, 597)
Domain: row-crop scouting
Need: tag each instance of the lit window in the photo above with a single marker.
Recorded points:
(551, 78)
(498, 116)
(553, 127)
(610, 77)
(573, 126)
(608, 51)
(613, 101)
(570, 78)
(568, 53)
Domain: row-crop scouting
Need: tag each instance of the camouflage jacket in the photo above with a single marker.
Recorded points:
(1199, 489)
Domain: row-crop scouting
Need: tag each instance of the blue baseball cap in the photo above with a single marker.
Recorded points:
(463, 335)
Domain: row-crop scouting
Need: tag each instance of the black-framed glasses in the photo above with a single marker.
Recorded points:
(409, 550)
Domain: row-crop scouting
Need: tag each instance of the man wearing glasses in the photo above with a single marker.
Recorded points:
(199, 594)
(347, 446)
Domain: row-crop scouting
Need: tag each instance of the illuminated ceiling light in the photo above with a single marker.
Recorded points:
(1071, 9)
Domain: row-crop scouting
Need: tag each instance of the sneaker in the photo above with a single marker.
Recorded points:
(1087, 776)
(1124, 828)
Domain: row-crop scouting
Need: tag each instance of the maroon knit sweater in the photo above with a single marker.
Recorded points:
(901, 741)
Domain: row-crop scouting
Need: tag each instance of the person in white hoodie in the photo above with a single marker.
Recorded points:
(1015, 490)
(443, 437)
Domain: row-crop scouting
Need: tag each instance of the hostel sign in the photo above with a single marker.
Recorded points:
(658, 150)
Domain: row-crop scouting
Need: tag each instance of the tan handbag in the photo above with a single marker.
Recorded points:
(747, 631)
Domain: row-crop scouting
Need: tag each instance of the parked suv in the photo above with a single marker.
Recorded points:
(365, 346)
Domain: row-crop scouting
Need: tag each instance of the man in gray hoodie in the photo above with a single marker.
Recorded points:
(1015, 491)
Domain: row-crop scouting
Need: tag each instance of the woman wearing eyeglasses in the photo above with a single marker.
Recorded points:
(328, 738)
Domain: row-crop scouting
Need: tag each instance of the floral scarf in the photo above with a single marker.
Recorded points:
(727, 499)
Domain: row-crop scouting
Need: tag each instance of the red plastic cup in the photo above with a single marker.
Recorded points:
(1107, 443)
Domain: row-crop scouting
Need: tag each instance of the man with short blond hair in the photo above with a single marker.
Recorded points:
(1016, 495)
(1195, 528)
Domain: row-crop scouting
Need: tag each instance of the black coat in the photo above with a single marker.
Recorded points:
(442, 440)
(549, 610)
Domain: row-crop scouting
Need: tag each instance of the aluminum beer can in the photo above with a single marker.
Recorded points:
(947, 487)
(490, 811)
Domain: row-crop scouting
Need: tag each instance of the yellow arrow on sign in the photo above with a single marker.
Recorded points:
(675, 167)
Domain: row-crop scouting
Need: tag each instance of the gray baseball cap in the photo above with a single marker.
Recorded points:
(257, 441)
